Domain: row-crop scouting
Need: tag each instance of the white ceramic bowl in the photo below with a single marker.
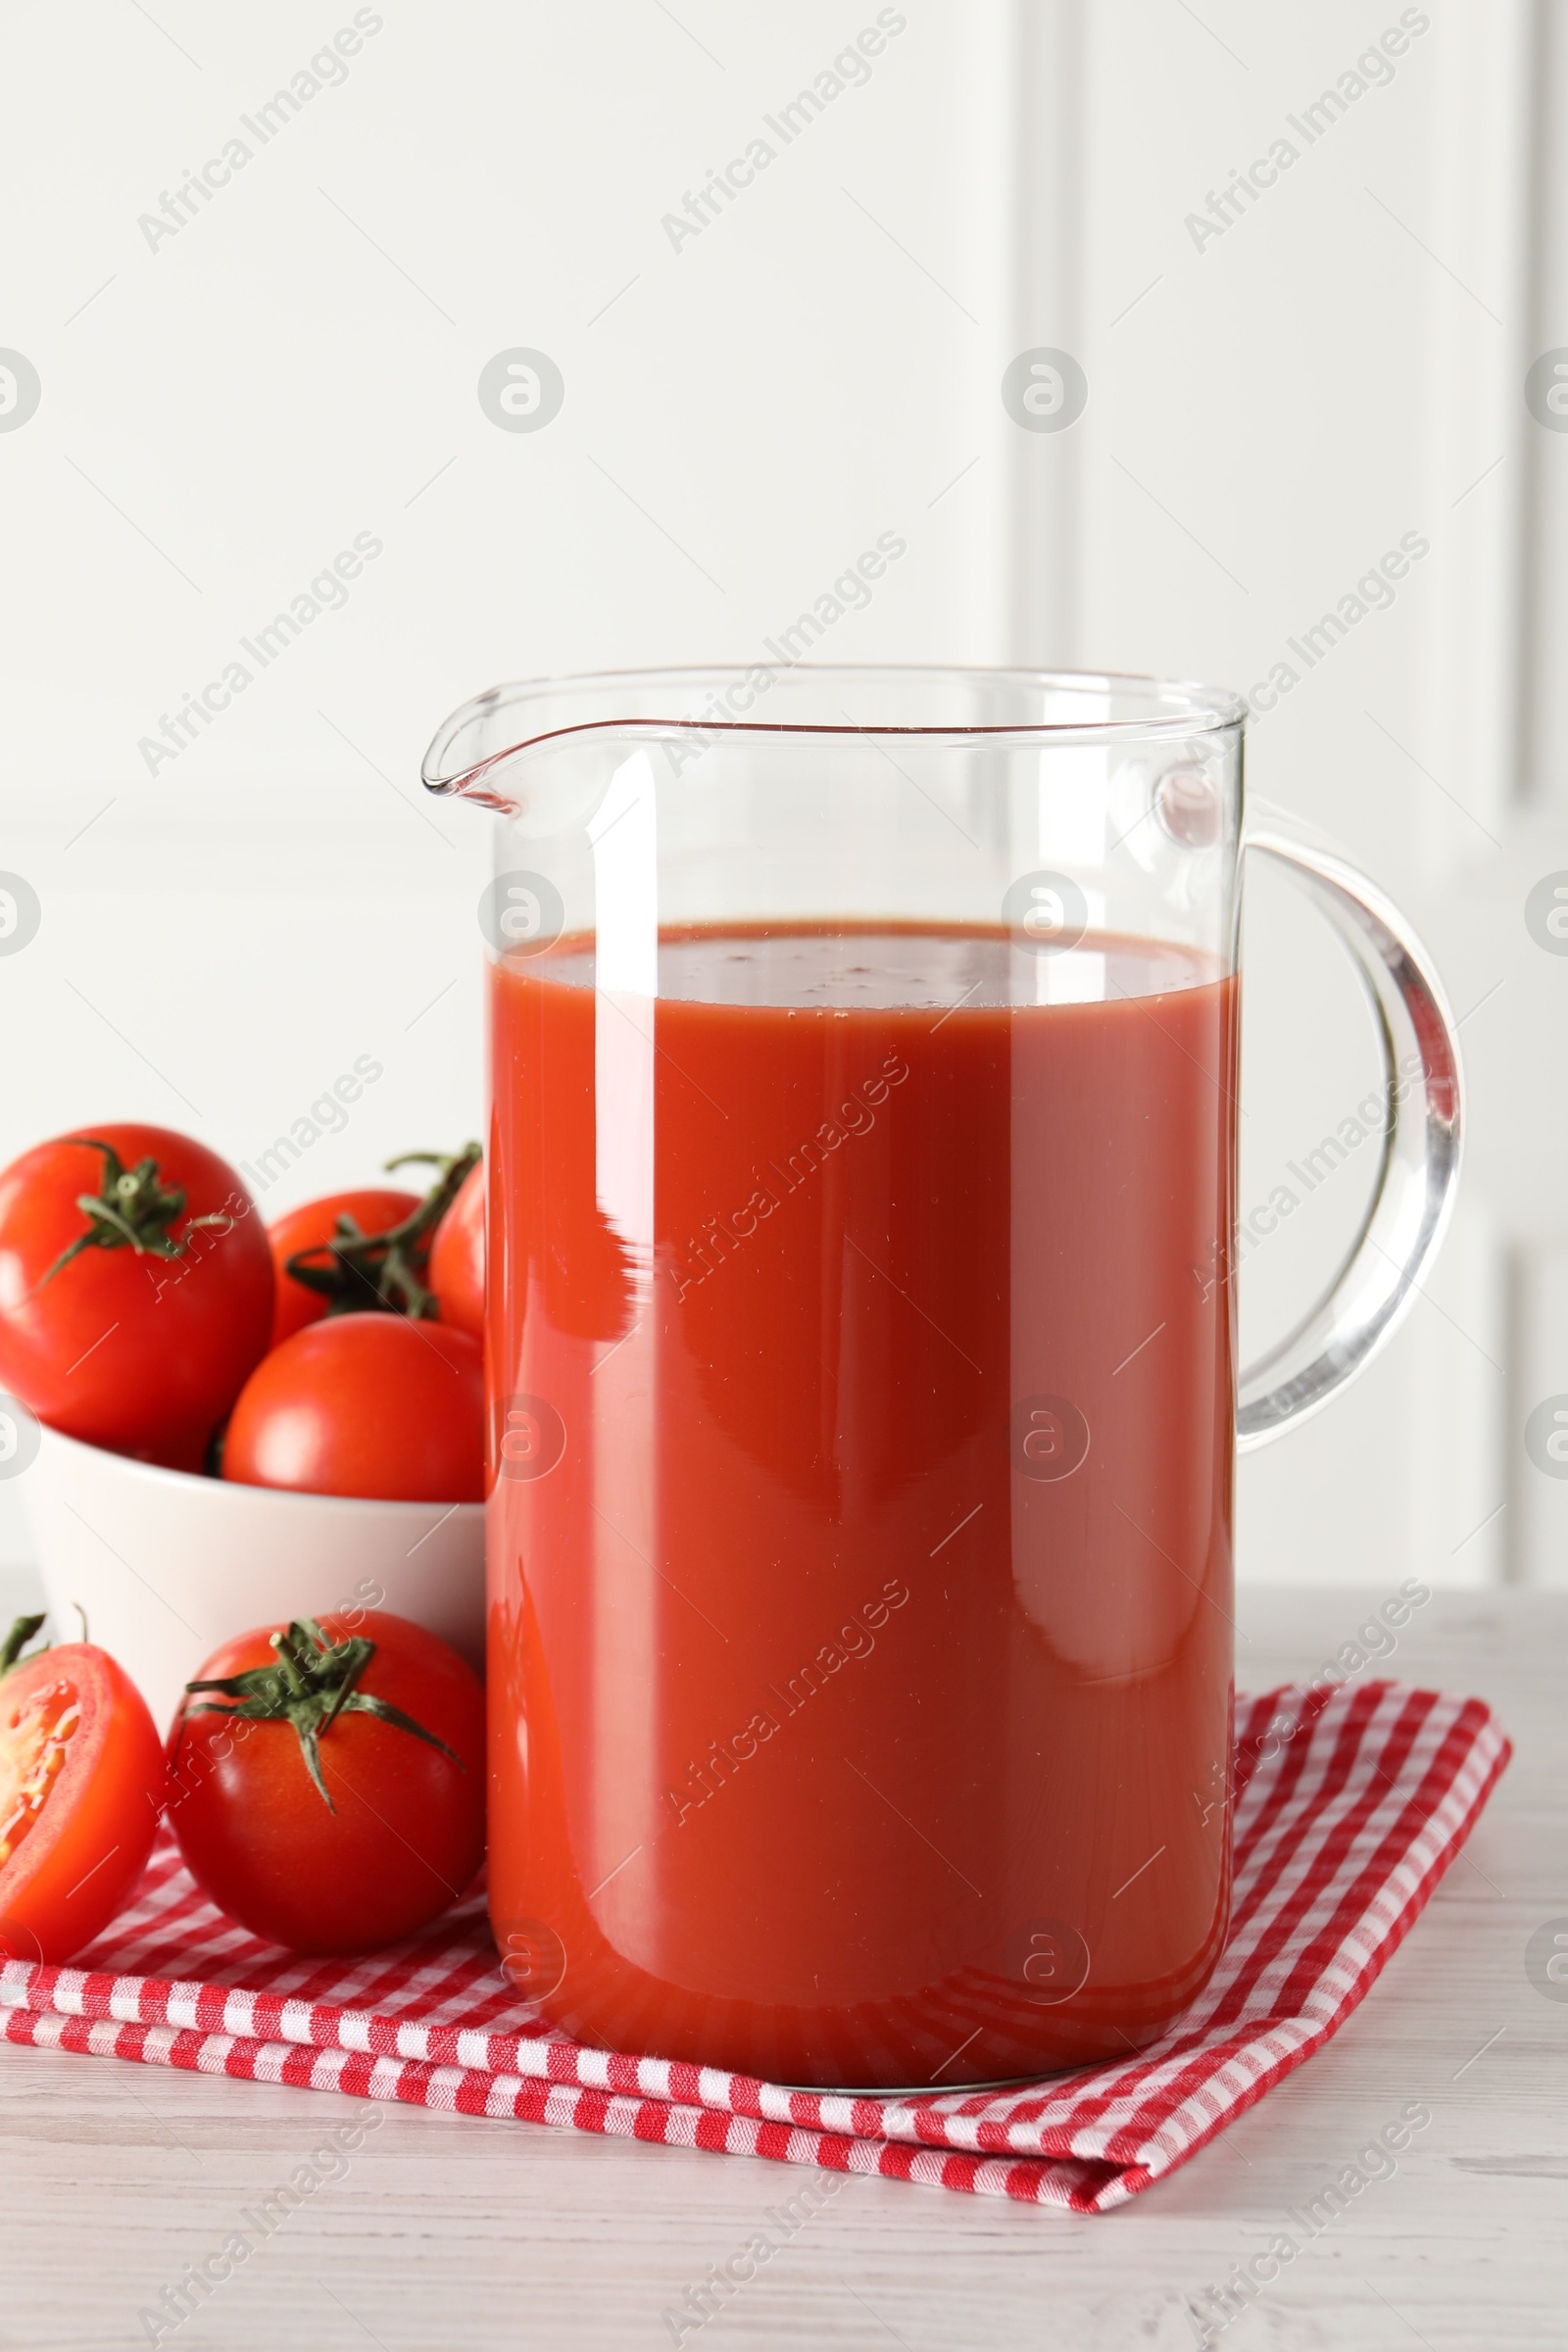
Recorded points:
(167, 1566)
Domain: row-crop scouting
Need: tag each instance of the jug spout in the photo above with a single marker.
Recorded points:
(499, 747)
(481, 751)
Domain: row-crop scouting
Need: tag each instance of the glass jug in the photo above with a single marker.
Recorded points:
(861, 1351)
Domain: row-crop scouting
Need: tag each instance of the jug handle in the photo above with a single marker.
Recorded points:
(1419, 1167)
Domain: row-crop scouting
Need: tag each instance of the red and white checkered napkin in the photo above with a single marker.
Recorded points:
(1349, 1806)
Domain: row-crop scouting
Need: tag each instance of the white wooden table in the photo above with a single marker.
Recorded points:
(449, 2232)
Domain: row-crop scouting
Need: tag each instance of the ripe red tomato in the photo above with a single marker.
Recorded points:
(456, 1257)
(311, 1227)
(364, 1404)
(131, 1322)
(82, 1785)
(391, 1831)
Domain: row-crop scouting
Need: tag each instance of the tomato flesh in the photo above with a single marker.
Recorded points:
(39, 1734)
(81, 1784)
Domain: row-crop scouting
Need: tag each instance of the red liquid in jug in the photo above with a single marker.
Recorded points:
(860, 1625)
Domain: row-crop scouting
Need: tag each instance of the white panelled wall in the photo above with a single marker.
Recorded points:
(1271, 407)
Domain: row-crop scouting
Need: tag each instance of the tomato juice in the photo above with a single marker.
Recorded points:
(861, 1437)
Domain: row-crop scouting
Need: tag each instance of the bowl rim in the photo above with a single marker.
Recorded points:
(284, 1498)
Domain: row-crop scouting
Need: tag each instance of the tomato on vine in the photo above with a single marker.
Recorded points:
(314, 1233)
(329, 1795)
(135, 1289)
(355, 1259)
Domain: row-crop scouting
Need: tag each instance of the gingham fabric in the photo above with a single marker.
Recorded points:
(1351, 1804)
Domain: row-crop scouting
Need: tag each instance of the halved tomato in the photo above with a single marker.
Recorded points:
(81, 1786)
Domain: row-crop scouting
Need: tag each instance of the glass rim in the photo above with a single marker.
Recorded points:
(1171, 707)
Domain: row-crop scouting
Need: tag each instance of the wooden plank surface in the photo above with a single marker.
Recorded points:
(451, 2232)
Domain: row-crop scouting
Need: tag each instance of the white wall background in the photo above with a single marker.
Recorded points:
(221, 416)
